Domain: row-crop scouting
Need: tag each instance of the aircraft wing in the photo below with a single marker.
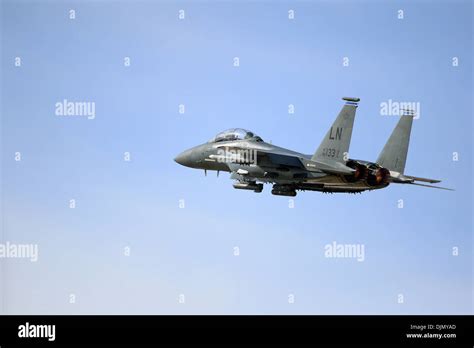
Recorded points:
(276, 159)
(280, 160)
(261, 158)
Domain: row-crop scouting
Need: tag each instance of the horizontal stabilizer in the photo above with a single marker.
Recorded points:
(432, 186)
(431, 181)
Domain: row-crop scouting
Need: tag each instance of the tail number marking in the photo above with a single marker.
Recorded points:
(328, 152)
(337, 135)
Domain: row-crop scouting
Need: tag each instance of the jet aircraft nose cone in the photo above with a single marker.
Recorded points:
(184, 158)
(180, 159)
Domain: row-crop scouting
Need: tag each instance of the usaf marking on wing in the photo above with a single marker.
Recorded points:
(253, 162)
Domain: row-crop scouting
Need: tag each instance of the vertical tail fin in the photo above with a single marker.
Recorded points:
(335, 145)
(394, 153)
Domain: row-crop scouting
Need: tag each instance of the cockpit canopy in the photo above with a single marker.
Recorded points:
(235, 134)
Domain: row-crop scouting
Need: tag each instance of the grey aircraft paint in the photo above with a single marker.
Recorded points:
(253, 162)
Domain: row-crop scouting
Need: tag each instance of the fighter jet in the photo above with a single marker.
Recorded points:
(252, 162)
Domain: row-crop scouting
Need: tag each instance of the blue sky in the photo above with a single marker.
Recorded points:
(189, 251)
